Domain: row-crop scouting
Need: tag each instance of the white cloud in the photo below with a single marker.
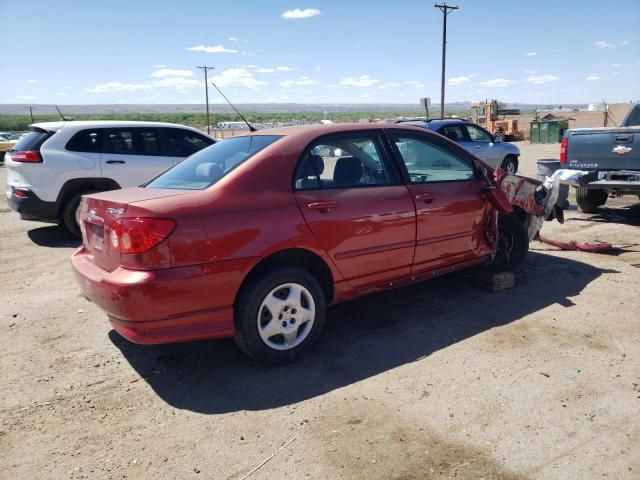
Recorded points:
(119, 87)
(233, 39)
(497, 82)
(300, 82)
(616, 65)
(239, 77)
(62, 93)
(532, 54)
(366, 95)
(593, 76)
(28, 97)
(459, 80)
(177, 82)
(212, 49)
(541, 79)
(361, 81)
(169, 72)
(284, 68)
(160, 65)
(624, 43)
(333, 85)
(383, 87)
(394, 84)
(473, 75)
(297, 13)
(265, 70)
(531, 72)
(604, 44)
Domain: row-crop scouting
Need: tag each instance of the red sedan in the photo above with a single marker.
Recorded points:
(252, 237)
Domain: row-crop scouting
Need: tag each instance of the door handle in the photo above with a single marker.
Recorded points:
(426, 197)
(323, 206)
(114, 162)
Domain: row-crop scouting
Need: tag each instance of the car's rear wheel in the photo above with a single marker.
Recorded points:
(510, 164)
(280, 315)
(589, 199)
(70, 212)
(513, 242)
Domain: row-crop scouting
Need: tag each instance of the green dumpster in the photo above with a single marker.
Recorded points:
(547, 131)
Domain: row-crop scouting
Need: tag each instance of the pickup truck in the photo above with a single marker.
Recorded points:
(602, 162)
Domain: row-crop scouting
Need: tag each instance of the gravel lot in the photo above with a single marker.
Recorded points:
(436, 380)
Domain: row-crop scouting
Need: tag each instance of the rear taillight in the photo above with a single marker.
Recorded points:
(28, 156)
(564, 145)
(137, 235)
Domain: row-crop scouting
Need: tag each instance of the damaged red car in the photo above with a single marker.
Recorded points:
(254, 236)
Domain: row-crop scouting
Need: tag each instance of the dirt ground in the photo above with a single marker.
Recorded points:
(435, 380)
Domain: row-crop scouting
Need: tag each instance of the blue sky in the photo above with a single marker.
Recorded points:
(134, 51)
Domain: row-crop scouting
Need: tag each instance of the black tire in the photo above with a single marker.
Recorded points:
(69, 210)
(247, 308)
(510, 160)
(589, 199)
(513, 242)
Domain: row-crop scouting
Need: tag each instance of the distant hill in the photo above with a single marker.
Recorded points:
(22, 109)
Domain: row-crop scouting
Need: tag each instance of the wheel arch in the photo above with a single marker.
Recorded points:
(76, 185)
(294, 257)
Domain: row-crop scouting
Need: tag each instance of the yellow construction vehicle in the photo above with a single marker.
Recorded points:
(487, 115)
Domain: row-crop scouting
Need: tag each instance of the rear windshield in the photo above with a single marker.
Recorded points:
(206, 167)
(32, 141)
(633, 118)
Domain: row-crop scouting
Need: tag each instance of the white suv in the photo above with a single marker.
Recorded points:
(57, 162)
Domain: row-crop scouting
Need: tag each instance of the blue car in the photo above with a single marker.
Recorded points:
(476, 139)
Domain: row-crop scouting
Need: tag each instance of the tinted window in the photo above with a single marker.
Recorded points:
(453, 132)
(633, 118)
(183, 143)
(32, 141)
(427, 162)
(207, 166)
(131, 141)
(344, 161)
(478, 135)
(85, 141)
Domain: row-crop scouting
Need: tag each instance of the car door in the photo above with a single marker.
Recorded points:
(132, 156)
(451, 205)
(178, 143)
(356, 206)
(480, 143)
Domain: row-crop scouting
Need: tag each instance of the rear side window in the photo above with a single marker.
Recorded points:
(32, 141)
(183, 143)
(207, 166)
(85, 141)
(633, 119)
(131, 141)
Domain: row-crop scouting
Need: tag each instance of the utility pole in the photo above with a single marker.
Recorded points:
(206, 92)
(446, 10)
(30, 112)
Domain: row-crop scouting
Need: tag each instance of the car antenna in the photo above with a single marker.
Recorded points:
(64, 119)
(251, 127)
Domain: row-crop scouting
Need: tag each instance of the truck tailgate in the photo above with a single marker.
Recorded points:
(604, 148)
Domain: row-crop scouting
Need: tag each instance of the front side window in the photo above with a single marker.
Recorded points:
(478, 135)
(206, 167)
(183, 143)
(427, 162)
(453, 132)
(344, 161)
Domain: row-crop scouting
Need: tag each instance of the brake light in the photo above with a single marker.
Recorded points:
(28, 156)
(137, 235)
(564, 145)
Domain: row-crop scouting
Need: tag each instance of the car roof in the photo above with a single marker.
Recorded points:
(316, 130)
(435, 124)
(55, 126)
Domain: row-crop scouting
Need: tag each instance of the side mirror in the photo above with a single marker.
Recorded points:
(498, 138)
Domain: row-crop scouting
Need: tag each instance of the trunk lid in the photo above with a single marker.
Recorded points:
(98, 212)
(604, 148)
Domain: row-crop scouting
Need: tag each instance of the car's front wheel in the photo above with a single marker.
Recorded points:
(279, 315)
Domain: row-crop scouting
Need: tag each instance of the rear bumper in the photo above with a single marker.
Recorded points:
(31, 207)
(165, 306)
(624, 181)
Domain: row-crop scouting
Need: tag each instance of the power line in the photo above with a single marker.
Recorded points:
(446, 10)
(206, 92)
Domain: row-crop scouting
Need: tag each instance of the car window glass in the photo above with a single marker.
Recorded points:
(344, 161)
(183, 143)
(135, 141)
(453, 132)
(206, 167)
(478, 135)
(428, 163)
(85, 141)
